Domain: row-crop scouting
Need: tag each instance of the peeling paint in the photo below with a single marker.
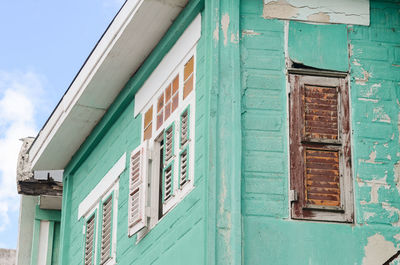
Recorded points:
(250, 32)
(363, 81)
(372, 157)
(373, 89)
(279, 9)
(368, 215)
(396, 170)
(368, 99)
(225, 26)
(356, 62)
(235, 38)
(393, 211)
(324, 11)
(320, 17)
(378, 250)
(216, 32)
(380, 115)
(398, 124)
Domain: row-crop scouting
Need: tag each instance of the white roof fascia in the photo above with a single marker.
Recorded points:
(130, 38)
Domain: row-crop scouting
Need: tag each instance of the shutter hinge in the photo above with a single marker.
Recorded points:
(293, 196)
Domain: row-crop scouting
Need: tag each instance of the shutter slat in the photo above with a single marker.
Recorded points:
(168, 183)
(183, 170)
(184, 127)
(106, 231)
(321, 112)
(137, 181)
(322, 185)
(169, 141)
(89, 240)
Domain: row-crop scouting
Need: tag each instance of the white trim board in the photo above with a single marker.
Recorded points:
(168, 65)
(102, 187)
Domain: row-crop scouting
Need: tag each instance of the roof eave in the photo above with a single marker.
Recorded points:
(129, 39)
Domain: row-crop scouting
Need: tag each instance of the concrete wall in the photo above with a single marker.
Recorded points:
(179, 237)
(270, 236)
(7, 256)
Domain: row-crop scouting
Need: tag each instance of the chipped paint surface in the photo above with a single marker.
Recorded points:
(250, 32)
(216, 32)
(224, 27)
(378, 250)
(365, 77)
(269, 232)
(279, 9)
(320, 17)
(325, 11)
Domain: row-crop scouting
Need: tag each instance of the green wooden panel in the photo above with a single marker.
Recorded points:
(319, 46)
(56, 244)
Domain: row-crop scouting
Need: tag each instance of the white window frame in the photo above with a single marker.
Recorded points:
(152, 194)
(190, 100)
(93, 203)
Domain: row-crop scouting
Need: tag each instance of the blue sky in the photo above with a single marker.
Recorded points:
(43, 44)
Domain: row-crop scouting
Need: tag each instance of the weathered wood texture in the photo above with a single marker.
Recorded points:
(320, 147)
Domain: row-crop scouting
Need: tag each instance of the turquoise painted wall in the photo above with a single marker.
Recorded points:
(269, 235)
(180, 235)
(212, 225)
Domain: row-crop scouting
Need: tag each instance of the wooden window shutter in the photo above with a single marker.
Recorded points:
(137, 189)
(168, 179)
(169, 143)
(106, 230)
(320, 157)
(184, 146)
(184, 134)
(183, 167)
(90, 237)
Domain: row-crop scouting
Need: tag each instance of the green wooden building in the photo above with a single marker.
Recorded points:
(232, 132)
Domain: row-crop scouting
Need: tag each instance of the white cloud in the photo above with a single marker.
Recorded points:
(20, 93)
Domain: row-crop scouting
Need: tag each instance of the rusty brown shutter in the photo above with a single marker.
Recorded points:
(319, 146)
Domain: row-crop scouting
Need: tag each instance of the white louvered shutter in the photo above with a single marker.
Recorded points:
(106, 231)
(184, 154)
(89, 239)
(169, 143)
(168, 183)
(137, 189)
(184, 163)
(184, 127)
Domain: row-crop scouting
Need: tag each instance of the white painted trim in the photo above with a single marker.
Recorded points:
(169, 63)
(43, 242)
(130, 38)
(102, 187)
(85, 75)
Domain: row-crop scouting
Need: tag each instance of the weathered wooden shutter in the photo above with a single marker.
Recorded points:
(90, 239)
(319, 145)
(106, 230)
(137, 189)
